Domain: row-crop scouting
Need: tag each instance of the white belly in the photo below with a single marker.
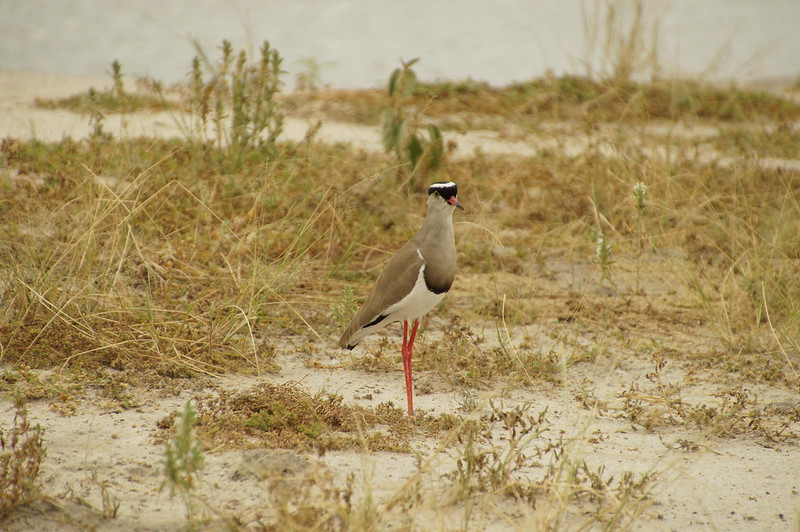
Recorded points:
(416, 304)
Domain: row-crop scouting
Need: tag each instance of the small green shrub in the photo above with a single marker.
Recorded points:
(401, 124)
(345, 309)
(183, 464)
(183, 455)
(238, 99)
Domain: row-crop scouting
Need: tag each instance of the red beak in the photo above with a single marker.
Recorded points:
(454, 201)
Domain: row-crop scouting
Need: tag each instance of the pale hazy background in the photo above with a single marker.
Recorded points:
(356, 43)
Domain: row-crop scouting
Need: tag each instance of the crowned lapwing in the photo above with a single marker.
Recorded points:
(414, 281)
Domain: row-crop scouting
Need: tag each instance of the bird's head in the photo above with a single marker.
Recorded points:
(444, 192)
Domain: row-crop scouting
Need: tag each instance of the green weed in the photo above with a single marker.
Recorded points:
(237, 101)
(184, 462)
(345, 309)
(400, 129)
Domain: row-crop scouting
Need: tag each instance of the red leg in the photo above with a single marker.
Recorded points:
(405, 339)
(413, 335)
(407, 349)
(407, 366)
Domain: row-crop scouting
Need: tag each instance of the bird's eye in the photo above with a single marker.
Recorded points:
(435, 193)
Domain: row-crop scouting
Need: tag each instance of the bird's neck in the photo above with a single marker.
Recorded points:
(438, 223)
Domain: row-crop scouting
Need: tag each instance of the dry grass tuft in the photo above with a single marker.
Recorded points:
(477, 105)
(21, 453)
(288, 417)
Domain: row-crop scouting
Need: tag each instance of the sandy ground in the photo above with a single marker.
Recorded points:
(736, 483)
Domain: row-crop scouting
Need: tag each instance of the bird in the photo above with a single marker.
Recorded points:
(414, 280)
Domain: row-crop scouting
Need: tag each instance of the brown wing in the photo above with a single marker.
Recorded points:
(394, 283)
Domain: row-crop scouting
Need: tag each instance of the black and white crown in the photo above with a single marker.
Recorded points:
(446, 189)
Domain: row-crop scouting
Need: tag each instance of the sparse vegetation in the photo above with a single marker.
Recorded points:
(115, 99)
(21, 454)
(729, 412)
(586, 101)
(183, 464)
(289, 417)
(237, 105)
(400, 127)
(630, 245)
(344, 310)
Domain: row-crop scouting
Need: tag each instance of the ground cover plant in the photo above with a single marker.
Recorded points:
(116, 99)
(146, 269)
(22, 453)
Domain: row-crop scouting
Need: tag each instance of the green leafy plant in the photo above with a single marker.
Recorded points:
(238, 99)
(402, 122)
(602, 253)
(96, 118)
(183, 461)
(639, 194)
(346, 308)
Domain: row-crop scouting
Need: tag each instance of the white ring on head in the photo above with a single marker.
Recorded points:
(449, 184)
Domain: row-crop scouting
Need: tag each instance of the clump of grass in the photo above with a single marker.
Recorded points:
(27, 385)
(484, 465)
(115, 99)
(115, 390)
(459, 105)
(499, 455)
(733, 412)
(287, 416)
(757, 142)
(318, 501)
(21, 454)
(362, 106)
(464, 359)
(621, 39)
(148, 271)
